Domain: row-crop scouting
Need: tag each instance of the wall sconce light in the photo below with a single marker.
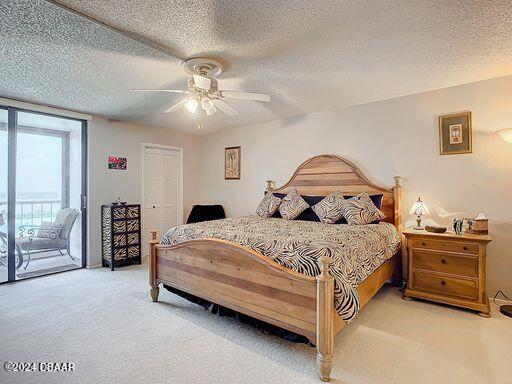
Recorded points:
(506, 134)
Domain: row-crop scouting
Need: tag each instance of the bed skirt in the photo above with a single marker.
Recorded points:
(221, 311)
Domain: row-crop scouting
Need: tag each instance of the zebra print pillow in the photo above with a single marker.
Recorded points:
(329, 209)
(268, 205)
(360, 210)
(292, 205)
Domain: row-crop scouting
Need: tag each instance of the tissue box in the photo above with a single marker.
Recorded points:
(478, 226)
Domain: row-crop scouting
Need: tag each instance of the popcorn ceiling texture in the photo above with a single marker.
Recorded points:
(310, 56)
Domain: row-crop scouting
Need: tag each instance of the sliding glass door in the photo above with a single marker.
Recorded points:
(3, 195)
(46, 193)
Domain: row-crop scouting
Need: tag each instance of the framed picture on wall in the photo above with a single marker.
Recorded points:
(115, 162)
(455, 133)
(232, 163)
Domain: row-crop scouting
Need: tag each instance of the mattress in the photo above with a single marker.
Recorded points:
(356, 250)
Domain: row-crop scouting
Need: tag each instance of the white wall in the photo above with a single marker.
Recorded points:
(106, 137)
(393, 137)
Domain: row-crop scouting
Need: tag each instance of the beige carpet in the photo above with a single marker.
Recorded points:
(105, 323)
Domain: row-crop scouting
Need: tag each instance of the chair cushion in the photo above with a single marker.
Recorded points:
(39, 243)
(292, 205)
(49, 230)
(66, 218)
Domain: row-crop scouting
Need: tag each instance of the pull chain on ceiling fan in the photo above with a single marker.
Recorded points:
(203, 89)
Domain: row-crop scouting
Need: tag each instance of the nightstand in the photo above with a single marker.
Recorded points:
(447, 268)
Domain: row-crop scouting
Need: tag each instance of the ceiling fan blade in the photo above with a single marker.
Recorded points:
(176, 107)
(242, 95)
(202, 82)
(160, 90)
(225, 107)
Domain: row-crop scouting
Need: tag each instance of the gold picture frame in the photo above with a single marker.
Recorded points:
(232, 163)
(455, 133)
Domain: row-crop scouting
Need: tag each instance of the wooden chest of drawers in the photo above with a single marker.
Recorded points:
(447, 268)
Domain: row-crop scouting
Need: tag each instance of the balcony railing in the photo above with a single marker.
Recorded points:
(31, 213)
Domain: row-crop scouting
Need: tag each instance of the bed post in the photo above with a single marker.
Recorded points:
(152, 267)
(397, 278)
(324, 318)
(397, 198)
(270, 185)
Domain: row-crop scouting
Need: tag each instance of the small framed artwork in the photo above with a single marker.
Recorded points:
(232, 163)
(455, 134)
(115, 162)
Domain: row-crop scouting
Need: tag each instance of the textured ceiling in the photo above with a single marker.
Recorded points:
(310, 56)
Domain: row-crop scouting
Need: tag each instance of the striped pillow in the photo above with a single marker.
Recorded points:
(292, 205)
(329, 209)
(360, 210)
(268, 205)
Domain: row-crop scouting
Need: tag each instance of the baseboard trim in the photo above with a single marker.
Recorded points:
(94, 266)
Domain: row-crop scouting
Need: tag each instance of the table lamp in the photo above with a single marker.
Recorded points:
(419, 209)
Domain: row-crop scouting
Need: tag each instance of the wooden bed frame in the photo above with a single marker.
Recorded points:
(244, 280)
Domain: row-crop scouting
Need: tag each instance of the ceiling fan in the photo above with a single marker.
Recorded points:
(203, 89)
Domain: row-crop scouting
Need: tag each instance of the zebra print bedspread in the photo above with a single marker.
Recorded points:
(356, 250)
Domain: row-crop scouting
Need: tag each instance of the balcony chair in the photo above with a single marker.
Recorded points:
(32, 244)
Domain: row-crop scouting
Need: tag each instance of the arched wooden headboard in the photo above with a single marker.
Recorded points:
(324, 174)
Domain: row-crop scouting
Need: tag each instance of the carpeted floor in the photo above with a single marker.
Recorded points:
(105, 324)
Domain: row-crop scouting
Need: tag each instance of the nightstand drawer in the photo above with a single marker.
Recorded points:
(446, 285)
(441, 262)
(451, 246)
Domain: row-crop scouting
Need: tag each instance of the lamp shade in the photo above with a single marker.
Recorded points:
(419, 208)
(506, 134)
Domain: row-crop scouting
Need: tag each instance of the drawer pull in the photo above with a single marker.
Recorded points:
(465, 248)
(423, 243)
(443, 261)
(443, 282)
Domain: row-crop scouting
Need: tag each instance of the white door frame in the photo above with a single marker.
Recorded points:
(180, 180)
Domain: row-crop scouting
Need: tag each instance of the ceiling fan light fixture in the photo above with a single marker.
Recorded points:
(191, 105)
(211, 111)
(207, 105)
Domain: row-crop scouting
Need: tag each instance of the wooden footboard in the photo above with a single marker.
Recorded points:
(248, 282)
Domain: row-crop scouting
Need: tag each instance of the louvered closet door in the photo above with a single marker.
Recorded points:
(170, 161)
(152, 194)
(161, 192)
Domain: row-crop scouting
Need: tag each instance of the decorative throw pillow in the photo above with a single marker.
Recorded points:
(360, 210)
(49, 230)
(329, 209)
(268, 205)
(292, 205)
(306, 215)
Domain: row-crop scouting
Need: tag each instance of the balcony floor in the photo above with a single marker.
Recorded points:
(43, 264)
